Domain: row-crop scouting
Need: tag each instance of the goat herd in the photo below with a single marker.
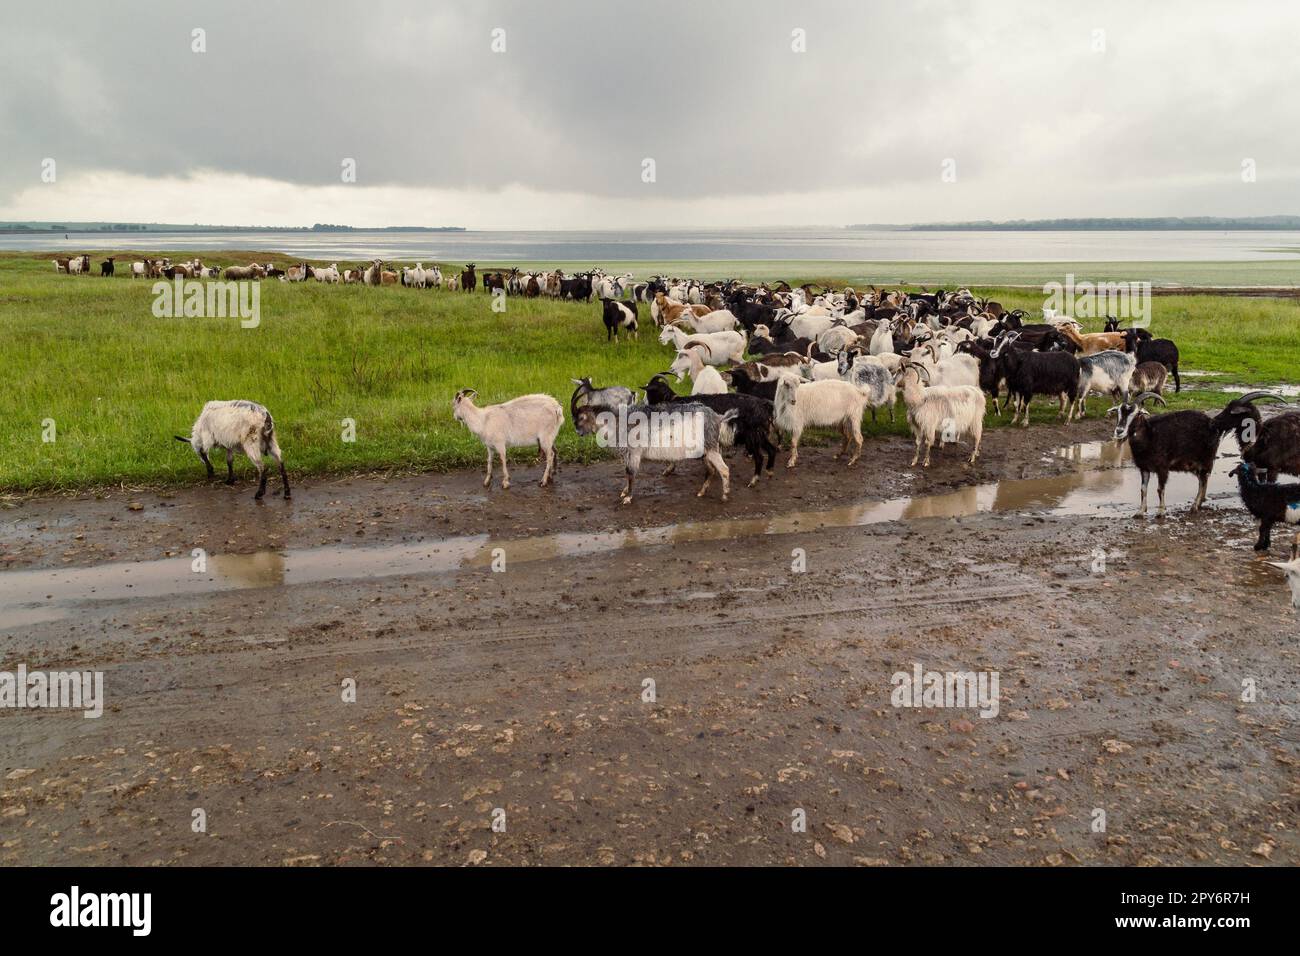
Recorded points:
(798, 358)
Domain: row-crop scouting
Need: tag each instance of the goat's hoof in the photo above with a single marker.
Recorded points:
(752, 482)
(505, 485)
(229, 481)
(487, 482)
(625, 501)
(726, 498)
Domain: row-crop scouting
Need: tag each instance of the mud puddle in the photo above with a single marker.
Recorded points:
(1103, 483)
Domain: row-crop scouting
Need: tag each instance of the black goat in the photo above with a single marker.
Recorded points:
(1037, 373)
(1273, 446)
(1147, 349)
(991, 372)
(752, 424)
(1176, 441)
(1267, 501)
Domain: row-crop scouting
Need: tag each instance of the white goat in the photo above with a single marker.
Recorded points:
(946, 412)
(526, 420)
(237, 426)
(719, 347)
(801, 405)
(706, 378)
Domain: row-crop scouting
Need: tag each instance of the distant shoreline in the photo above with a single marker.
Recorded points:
(1153, 224)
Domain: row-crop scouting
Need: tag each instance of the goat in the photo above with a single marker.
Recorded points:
(612, 396)
(1090, 343)
(1273, 446)
(251, 271)
(1186, 441)
(690, 360)
(751, 428)
(618, 314)
(649, 433)
(948, 412)
(1148, 377)
(1148, 349)
(1268, 501)
(799, 405)
(747, 384)
(1031, 373)
(1292, 571)
(526, 420)
(468, 280)
(106, 267)
(237, 426)
(869, 376)
(1104, 372)
(719, 347)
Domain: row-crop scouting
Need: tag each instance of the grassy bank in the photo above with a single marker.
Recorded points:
(89, 354)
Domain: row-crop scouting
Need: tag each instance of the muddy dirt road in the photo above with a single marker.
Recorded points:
(519, 697)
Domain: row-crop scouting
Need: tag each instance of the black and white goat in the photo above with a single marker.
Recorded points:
(1268, 501)
(750, 430)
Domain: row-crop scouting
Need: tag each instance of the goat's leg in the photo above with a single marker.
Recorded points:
(505, 471)
(1265, 536)
(844, 440)
(1162, 478)
(929, 442)
(230, 466)
(979, 436)
(755, 449)
(487, 482)
(771, 450)
(203, 457)
(1203, 481)
(254, 452)
(548, 451)
(917, 456)
(856, 426)
(708, 474)
(274, 451)
(626, 494)
(794, 449)
(1144, 477)
(725, 473)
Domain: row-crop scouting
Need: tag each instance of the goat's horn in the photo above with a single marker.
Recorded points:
(1259, 396)
(1145, 395)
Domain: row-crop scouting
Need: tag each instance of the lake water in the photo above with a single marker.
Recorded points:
(602, 247)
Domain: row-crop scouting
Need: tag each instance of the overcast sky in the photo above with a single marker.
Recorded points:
(553, 132)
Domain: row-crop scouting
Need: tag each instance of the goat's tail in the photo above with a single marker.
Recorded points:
(179, 438)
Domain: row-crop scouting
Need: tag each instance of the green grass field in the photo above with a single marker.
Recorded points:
(89, 354)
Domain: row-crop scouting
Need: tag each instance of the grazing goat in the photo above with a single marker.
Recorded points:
(237, 426)
(612, 396)
(1185, 441)
(751, 428)
(946, 412)
(1268, 501)
(831, 403)
(619, 315)
(649, 433)
(1273, 446)
(526, 420)
(705, 378)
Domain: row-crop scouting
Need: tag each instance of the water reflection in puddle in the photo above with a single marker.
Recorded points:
(1104, 483)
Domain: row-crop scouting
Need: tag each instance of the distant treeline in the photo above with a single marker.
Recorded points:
(41, 227)
(1156, 223)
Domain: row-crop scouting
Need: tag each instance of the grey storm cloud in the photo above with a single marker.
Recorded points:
(713, 92)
